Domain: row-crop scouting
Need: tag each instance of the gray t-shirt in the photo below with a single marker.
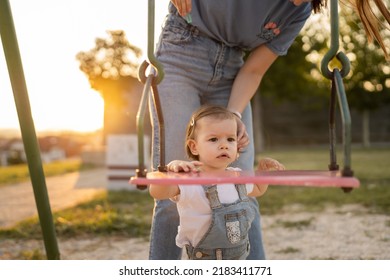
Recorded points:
(241, 23)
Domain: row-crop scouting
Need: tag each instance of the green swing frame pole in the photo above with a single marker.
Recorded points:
(30, 142)
(338, 90)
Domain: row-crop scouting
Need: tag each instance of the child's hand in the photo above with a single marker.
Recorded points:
(184, 166)
(270, 164)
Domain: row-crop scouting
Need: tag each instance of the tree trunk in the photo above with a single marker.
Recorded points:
(366, 128)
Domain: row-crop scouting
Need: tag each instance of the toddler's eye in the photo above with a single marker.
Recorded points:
(231, 139)
(214, 139)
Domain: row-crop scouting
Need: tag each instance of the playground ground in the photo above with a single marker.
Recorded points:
(17, 201)
(346, 232)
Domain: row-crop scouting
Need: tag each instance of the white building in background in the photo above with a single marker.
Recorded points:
(12, 151)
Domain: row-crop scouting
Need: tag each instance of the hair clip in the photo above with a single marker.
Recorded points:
(192, 122)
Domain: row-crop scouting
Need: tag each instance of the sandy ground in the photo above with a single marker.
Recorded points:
(348, 232)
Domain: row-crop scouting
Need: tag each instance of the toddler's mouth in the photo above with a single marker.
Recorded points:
(224, 156)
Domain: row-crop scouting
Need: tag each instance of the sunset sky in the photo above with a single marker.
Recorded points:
(50, 34)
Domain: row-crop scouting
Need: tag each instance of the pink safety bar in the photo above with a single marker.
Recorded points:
(305, 178)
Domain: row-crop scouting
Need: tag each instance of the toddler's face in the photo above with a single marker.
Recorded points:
(215, 142)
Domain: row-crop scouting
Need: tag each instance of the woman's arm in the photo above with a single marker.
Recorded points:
(249, 77)
(246, 83)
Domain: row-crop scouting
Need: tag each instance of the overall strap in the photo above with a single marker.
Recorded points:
(212, 196)
(242, 193)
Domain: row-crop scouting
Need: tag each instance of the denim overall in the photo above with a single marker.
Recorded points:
(227, 236)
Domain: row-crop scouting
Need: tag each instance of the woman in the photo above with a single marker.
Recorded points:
(201, 47)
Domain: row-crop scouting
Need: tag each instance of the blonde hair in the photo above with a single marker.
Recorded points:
(372, 23)
(214, 111)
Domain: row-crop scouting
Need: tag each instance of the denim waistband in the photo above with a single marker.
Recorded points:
(174, 14)
(235, 253)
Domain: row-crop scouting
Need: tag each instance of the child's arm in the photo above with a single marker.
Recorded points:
(163, 191)
(264, 165)
(169, 191)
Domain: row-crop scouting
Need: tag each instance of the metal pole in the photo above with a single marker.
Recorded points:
(346, 121)
(338, 89)
(31, 147)
(151, 57)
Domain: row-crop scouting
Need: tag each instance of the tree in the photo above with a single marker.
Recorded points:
(292, 78)
(111, 68)
(302, 76)
(368, 83)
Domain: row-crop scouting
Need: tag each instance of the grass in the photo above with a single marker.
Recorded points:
(370, 166)
(121, 213)
(296, 224)
(20, 173)
(289, 250)
(128, 213)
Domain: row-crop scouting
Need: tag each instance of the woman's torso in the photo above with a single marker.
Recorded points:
(242, 23)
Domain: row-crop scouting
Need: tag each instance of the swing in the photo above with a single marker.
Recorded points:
(304, 178)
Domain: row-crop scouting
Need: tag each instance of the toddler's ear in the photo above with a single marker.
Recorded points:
(193, 147)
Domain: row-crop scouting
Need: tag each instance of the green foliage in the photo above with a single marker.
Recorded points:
(300, 78)
(367, 85)
(111, 57)
(111, 62)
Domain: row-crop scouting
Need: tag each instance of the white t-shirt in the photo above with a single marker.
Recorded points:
(195, 212)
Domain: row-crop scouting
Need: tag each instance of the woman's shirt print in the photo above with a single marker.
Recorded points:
(242, 24)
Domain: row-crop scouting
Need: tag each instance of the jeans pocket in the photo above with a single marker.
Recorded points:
(237, 226)
(176, 30)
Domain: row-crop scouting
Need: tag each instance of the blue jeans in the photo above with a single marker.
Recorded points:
(198, 70)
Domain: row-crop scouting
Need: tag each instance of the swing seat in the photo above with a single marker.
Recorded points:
(299, 178)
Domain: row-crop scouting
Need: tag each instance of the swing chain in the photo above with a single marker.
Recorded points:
(338, 90)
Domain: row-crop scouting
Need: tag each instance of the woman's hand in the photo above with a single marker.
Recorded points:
(242, 135)
(183, 6)
(184, 166)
